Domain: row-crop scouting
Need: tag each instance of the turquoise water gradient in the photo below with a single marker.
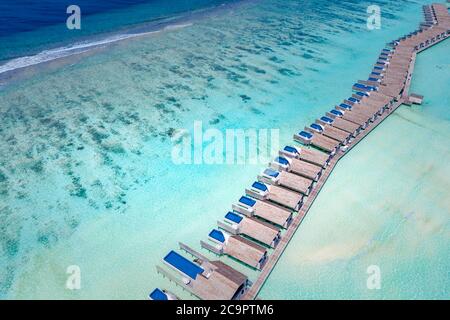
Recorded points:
(86, 176)
(48, 28)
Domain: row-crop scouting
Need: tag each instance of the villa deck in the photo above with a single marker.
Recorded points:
(265, 211)
(319, 141)
(280, 196)
(253, 228)
(290, 181)
(260, 231)
(218, 286)
(334, 133)
(372, 107)
(208, 280)
(363, 114)
(305, 169)
(346, 125)
(237, 247)
(246, 251)
(315, 157)
(355, 118)
(325, 143)
(392, 91)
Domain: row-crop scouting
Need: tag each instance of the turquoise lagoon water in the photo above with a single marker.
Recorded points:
(87, 179)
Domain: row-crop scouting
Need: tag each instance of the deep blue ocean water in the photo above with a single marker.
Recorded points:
(26, 27)
(24, 15)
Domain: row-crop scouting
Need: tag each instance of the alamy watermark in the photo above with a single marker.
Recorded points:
(73, 281)
(374, 19)
(73, 22)
(374, 279)
(216, 147)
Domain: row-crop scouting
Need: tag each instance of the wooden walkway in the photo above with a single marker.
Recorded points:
(357, 119)
(276, 254)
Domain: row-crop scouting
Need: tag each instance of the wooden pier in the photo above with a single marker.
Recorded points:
(297, 220)
(276, 254)
(285, 192)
